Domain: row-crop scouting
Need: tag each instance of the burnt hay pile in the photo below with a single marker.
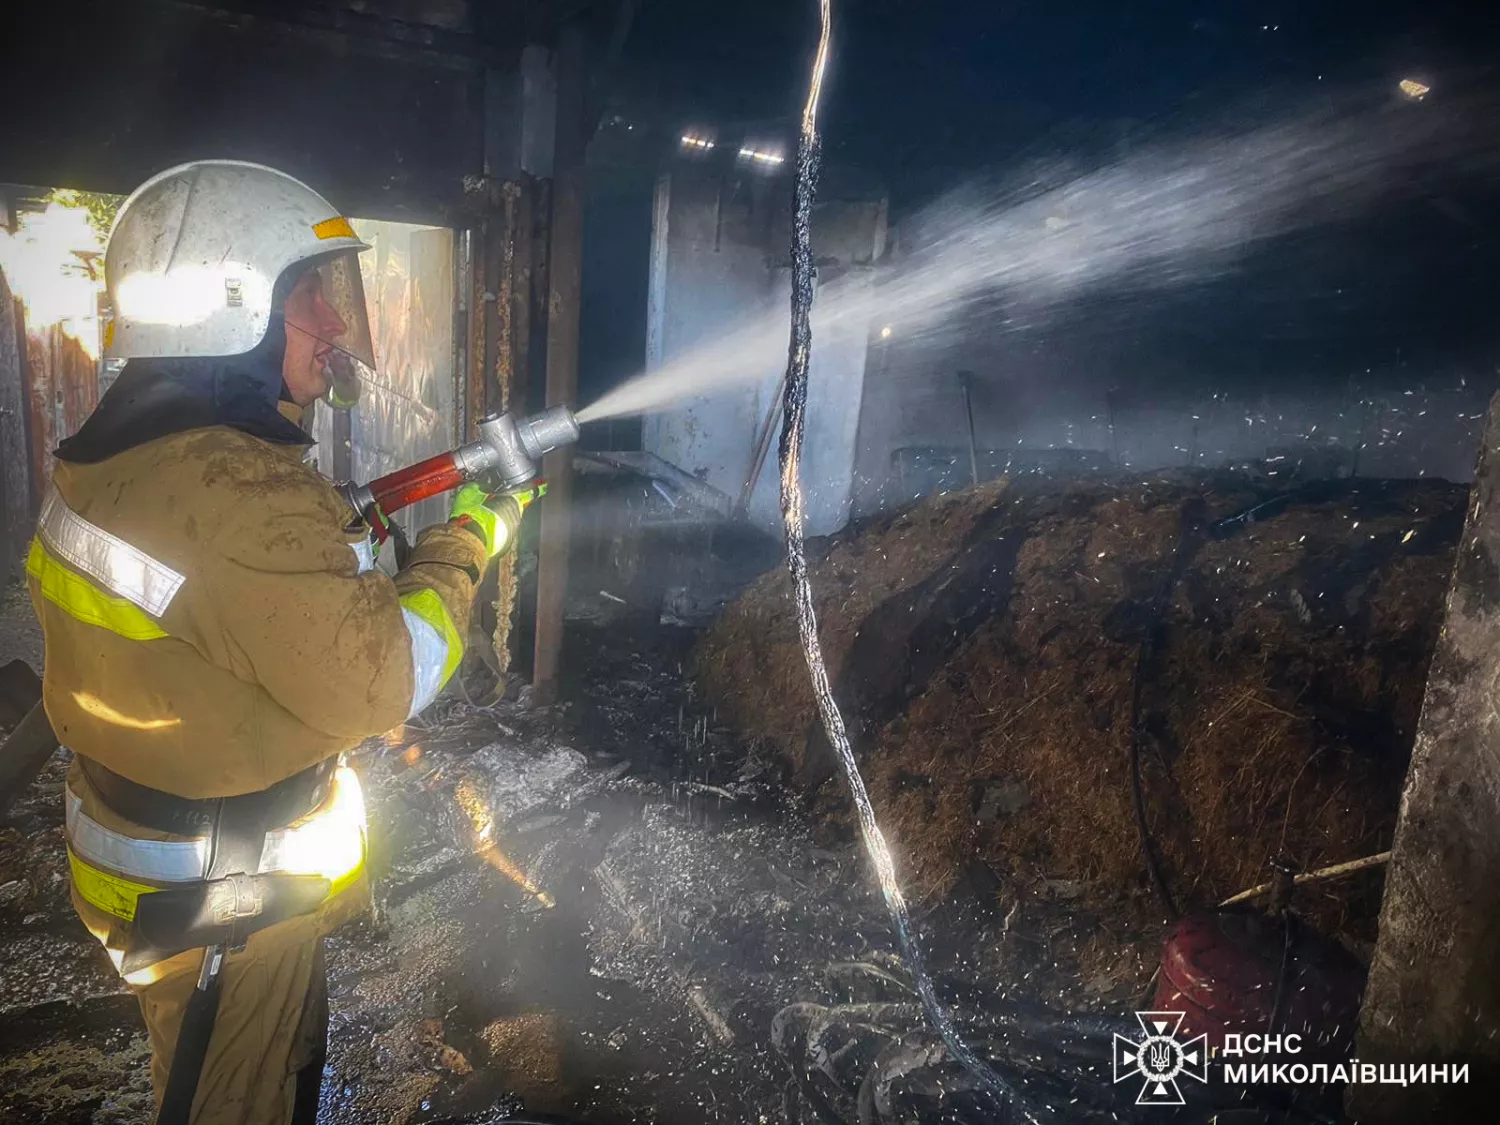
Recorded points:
(995, 648)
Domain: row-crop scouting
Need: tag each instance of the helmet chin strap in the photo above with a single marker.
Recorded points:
(315, 336)
(344, 381)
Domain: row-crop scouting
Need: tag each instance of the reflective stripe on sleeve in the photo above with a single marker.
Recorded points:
(436, 648)
(123, 570)
(364, 556)
(76, 596)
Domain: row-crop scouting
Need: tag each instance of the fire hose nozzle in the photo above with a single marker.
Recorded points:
(512, 449)
(508, 450)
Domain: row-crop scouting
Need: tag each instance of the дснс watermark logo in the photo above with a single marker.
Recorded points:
(1160, 1058)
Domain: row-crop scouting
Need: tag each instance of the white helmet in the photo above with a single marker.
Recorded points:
(196, 253)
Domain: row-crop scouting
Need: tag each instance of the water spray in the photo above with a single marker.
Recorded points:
(1170, 215)
(794, 408)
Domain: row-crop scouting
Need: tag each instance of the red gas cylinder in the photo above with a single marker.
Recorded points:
(1239, 971)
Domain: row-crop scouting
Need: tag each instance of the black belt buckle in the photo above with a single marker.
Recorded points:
(218, 912)
(235, 899)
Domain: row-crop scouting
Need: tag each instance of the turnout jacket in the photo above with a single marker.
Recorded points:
(214, 621)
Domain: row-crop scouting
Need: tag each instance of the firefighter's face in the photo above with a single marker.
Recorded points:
(312, 328)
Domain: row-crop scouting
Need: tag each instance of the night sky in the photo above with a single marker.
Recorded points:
(925, 91)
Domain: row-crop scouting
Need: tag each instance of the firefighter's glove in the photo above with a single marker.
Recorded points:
(494, 518)
(526, 497)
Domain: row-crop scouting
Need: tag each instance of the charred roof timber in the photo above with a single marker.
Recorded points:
(379, 103)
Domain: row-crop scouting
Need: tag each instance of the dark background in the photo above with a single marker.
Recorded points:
(924, 97)
(376, 102)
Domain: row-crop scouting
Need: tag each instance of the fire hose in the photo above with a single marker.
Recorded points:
(794, 408)
(507, 455)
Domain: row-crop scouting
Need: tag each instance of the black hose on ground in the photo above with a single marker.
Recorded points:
(1189, 538)
(794, 408)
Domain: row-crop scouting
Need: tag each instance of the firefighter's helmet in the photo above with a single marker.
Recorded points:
(201, 255)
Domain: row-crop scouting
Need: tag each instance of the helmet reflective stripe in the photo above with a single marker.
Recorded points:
(196, 252)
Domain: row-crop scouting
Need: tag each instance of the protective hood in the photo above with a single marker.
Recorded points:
(153, 398)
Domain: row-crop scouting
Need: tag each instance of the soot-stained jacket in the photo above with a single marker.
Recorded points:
(213, 617)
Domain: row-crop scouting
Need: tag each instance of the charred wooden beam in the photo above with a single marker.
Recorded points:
(1434, 988)
(565, 285)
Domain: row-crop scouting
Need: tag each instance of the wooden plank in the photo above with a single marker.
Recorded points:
(16, 511)
(1434, 989)
(23, 753)
(521, 311)
(62, 385)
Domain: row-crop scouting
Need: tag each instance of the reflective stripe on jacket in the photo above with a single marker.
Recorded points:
(214, 624)
(112, 869)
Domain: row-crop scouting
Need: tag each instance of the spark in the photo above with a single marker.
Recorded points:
(497, 859)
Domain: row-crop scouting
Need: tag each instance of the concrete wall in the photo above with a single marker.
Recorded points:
(720, 258)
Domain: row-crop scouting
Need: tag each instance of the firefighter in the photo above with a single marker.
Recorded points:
(218, 634)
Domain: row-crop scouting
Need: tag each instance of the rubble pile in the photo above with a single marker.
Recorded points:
(1004, 653)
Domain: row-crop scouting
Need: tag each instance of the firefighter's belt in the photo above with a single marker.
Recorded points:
(283, 803)
(220, 912)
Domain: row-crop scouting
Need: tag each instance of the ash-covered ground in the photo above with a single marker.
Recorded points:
(604, 910)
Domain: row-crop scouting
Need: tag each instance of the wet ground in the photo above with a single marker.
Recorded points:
(595, 910)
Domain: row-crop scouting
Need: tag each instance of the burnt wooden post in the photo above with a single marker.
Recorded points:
(565, 273)
(1434, 989)
(505, 203)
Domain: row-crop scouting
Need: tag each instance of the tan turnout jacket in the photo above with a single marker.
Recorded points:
(279, 648)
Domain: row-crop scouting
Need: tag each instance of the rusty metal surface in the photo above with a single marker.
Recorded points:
(562, 355)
